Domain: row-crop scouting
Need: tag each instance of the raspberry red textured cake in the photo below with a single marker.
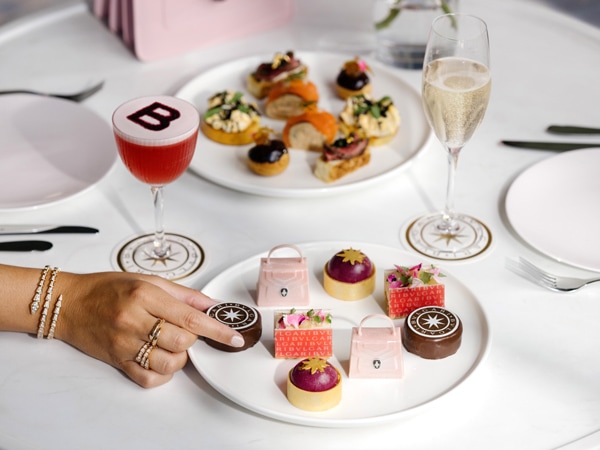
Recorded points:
(314, 385)
(349, 275)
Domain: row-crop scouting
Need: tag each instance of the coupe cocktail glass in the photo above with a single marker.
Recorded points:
(156, 138)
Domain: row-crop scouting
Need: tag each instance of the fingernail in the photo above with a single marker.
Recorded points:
(237, 341)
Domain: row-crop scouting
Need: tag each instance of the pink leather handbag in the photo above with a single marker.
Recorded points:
(376, 352)
(283, 281)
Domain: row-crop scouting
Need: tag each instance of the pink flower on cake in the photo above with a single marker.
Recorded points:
(293, 320)
(414, 276)
(301, 320)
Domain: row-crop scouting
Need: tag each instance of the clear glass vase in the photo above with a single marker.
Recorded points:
(402, 28)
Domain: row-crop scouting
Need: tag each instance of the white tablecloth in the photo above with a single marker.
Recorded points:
(537, 389)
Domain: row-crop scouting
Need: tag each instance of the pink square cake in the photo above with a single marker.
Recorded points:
(409, 288)
(303, 334)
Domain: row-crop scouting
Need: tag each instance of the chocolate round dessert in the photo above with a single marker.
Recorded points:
(269, 158)
(432, 332)
(314, 385)
(349, 275)
(242, 318)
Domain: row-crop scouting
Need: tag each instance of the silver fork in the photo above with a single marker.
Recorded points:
(545, 279)
(76, 97)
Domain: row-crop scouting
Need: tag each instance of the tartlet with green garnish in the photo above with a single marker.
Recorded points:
(378, 120)
(230, 119)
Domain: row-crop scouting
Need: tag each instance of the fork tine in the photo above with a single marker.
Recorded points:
(536, 271)
(532, 275)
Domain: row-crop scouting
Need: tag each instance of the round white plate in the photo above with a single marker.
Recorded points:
(554, 206)
(256, 380)
(51, 150)
(226, 165)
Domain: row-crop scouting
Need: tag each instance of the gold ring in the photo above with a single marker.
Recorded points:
(143, 354)
(155, 332)
(145, 361)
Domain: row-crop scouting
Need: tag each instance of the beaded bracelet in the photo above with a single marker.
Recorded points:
(42, 325)
(35, 302)
(55, 314)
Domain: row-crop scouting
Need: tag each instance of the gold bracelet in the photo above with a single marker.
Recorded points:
(35, 302)
(55, 314)
(42, 325)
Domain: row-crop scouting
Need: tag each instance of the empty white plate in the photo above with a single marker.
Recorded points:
(554, 206)
(51, 149)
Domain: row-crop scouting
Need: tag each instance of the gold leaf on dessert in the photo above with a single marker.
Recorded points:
(352, 256)
(314, 365)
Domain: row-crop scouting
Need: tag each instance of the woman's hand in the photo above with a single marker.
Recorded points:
(110, 316)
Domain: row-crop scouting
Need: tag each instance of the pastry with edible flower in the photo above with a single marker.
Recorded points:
(349, 275)
(378, 120)
(409, 288)
(314, 385)
(284, 66)
(303, 333)
(353, 79)
(230, 119)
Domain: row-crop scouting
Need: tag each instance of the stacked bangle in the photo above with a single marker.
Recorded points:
(35, 303)
(47, 299)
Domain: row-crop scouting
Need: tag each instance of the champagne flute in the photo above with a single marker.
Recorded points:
(456, 88)
(156, 138)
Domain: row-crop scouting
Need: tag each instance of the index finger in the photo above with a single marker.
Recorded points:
(191, 319)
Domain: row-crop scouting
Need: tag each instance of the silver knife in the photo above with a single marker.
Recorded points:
(45, 229)
(557, 146)
(25, 246)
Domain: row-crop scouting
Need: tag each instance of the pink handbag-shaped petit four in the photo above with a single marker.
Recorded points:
(283, 281)
(376, 352)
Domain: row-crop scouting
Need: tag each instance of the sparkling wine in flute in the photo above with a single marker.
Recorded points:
(456, 88)
(156, 138)
(455, 93)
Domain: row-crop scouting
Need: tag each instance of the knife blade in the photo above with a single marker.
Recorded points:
(25, 246)
(556, 146)
(45, 229)
(571, 129)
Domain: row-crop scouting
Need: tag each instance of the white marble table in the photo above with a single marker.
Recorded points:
(538, 388)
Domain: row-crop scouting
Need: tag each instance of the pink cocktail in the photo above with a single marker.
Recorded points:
(156, 138)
